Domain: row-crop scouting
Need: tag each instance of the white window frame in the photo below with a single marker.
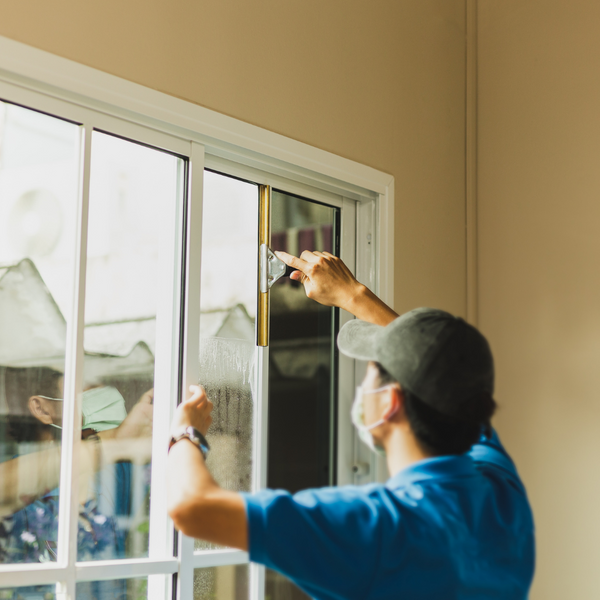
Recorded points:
(60, 87)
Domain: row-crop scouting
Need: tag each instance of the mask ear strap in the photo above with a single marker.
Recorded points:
(384, 420)
(396, 407)
(376, 424)
(48, 398)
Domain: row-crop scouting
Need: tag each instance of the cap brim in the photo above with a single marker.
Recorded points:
(358, 339)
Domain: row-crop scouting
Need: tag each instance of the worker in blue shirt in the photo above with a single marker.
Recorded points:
(452, 522)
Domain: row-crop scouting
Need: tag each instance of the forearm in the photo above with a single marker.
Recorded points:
(25, 478)
(198, 506)
(365, 305)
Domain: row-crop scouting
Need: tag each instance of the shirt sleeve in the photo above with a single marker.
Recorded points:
(328, 540)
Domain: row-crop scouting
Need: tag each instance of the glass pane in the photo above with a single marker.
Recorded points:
(39, 165)
(131, 187)
(302, 347)
(279, 587)
(302, 371)
(113, 589)
(227, 339)
(221, 583)
(30, 592)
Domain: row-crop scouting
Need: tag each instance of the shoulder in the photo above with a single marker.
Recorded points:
(492, 460)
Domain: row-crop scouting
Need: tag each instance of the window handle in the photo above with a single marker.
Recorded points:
(270, 268)
(264, 240)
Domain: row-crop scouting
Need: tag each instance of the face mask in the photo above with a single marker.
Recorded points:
(358, 419)
(103, 408)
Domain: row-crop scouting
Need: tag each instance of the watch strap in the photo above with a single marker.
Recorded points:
(194, 436)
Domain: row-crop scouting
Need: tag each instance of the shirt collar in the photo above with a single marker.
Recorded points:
(433, 468)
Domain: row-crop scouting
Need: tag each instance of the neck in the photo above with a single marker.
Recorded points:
(402, 450)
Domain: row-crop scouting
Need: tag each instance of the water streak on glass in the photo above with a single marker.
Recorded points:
(226, 372)
(228, 306)
(39, 159)
(221, 583)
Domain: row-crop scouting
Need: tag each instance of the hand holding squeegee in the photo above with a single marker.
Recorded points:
(328, 280)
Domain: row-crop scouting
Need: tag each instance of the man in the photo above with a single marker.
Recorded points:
(452, 522)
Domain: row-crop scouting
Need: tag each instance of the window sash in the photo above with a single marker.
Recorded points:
(98, 101)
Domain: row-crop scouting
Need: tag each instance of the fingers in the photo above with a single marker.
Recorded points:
(297, 276)
(197, 392)
(292, 261)
(199, 398)
(309, 257)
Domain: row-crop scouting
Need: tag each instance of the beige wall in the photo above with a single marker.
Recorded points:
(539, 236)
(380, 82)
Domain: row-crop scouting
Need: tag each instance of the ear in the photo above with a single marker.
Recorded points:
(396, 406)
(38, 408)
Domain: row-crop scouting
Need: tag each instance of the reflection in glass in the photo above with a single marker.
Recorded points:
(129, 186)
(228, 307)
(39, 158)
(113, 589)
(221, 583)
(30, 592)
(302, 346)
(301, 366)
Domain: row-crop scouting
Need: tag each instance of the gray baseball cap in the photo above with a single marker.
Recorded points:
(438, 357)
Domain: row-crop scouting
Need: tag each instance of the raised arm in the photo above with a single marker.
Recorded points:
(199, 507)
(328, 280)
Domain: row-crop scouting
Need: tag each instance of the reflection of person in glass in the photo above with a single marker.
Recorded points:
(29, 495)
(453, 521)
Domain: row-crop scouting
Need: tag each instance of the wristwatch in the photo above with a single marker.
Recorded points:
(194, 436)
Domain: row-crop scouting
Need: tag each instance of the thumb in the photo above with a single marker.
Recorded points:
(197, 391)
(147, 397)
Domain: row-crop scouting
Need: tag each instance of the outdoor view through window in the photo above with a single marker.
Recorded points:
(39, 175)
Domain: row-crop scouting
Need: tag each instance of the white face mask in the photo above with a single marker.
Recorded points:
(358, 418)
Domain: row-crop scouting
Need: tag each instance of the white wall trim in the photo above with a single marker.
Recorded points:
(385, 246)
(472, 308)
(39, 70)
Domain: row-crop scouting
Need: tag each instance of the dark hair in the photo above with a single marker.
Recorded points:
(19, 385)
(440, 434)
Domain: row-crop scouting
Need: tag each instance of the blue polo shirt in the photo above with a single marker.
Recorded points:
(450, 528)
